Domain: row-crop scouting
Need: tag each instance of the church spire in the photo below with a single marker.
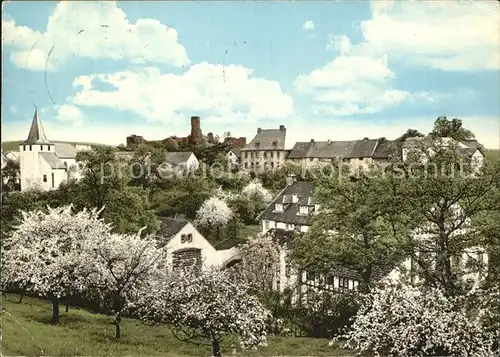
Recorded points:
(36, 135)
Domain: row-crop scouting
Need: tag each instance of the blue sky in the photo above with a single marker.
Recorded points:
(99, 71)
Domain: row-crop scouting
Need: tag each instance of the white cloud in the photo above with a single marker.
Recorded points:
(222, 93)
(353, 84)
(70, 114)
(308, 25)
(95, 30)
(451, 35)
(447, 35)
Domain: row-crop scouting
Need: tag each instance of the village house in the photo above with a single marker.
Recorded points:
(184, 161)
(186, 246)
(355, 153)
(291, 212)
(423, 146)
(266, 151)
(45, 164)
(233, 157)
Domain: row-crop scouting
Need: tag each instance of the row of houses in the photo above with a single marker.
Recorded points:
(46, 163)
(267, 151)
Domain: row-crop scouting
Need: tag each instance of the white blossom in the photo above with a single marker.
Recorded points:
(254, 190)
(126, 263)
(208, 304)
(213, 213)
(408, 321)
(260, 261)
(48, 252)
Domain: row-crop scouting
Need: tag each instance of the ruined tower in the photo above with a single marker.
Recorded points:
(196, 136)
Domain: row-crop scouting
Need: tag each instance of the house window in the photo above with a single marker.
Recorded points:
(303, 210)
(265, 155)
(278, 207)
(187, 238)
(24, 147)
(246, 155)
(41, 147)
(184, 258)
(44, 178)
(48, 147)
(53, 180)
(329, 280)
(272, 165)
(360, 159)
(344, 283)
(266, 225)
(272, 154)
(246, 165)
(31, 148)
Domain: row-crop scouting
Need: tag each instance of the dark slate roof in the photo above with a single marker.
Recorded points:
(304, 190)
(471, 143)
(177, 158)
(169, 227)
(267, 139)
(333, 149)
(386, 149)
(363, 148)
(36, 134)
(236, 151)
(52, 159)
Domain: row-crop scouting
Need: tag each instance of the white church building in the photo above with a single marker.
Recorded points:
(45, 164)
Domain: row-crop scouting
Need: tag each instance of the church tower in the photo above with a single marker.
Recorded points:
(29, 154)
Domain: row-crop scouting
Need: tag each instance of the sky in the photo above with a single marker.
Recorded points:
(100, 71)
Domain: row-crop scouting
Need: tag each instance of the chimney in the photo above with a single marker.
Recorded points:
(290, 179)
(365, 139)
(259, 130)
(312, 140)
(282, 128)
(329, 141)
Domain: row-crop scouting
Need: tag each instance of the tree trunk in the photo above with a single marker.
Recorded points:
(68, 300)
(216, 346)
(21, 297)
(118, 320)
(55, 311)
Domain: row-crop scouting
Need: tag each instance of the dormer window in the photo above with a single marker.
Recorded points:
(275, 143)
(257, 144)
(303, 210)
(278, 207)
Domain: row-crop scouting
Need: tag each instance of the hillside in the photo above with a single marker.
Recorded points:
(26, 331)
(492, 154)
(14, 145)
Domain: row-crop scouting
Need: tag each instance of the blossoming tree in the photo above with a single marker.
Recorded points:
(256, 191)
(125, 263)
(204, 306)
(48, 252)
(260, 262)
(213, 213)
(408, 321)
